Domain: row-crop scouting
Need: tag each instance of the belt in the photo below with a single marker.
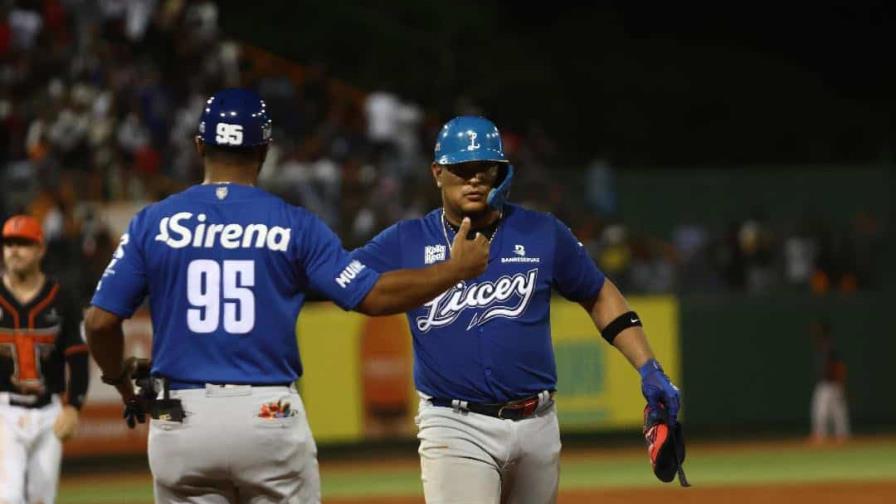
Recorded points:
(25, 401)
(185, 385)
(512, 410)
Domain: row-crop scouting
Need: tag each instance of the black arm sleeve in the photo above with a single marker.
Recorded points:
(78, 378)
(74, 348)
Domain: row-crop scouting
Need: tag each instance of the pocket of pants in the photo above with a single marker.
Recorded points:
(282, 411)
(289, 422)
(166, 425)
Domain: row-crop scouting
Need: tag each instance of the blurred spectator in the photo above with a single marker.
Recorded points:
(382, 109)
(652, 268)
(754, 242)
(407, 138)
(201, 18)
(690, 241)
(25, 23)
(391, 130)
(137, 15)
(615, 254)
(728, 258)
(841, 256)
(600, 188)
(99, 102)
(800, 251)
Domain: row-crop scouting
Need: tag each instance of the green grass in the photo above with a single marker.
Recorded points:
(705, 467)
(108, 493)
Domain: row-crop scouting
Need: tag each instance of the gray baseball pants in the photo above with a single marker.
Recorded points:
(469, 458)
(225, 453)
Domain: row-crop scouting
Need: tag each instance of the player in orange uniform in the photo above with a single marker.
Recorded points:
(39, 335)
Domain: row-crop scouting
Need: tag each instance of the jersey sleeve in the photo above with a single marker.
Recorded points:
(70, 340)
(383, 252)
(123, 285)
(72, 346)
(576, 276)
(329, 268)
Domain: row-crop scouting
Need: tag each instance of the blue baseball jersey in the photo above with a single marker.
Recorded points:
(226, 268)
(489, 339)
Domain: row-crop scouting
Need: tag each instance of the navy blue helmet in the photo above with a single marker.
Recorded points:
(235, 117)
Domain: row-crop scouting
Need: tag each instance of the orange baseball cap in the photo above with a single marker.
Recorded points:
(23, 226)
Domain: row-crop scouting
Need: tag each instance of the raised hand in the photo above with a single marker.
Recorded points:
(470, 257)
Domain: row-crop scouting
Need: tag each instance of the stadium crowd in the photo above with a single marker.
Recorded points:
(99, 101)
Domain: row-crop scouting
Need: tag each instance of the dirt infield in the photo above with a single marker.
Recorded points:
(840, 493)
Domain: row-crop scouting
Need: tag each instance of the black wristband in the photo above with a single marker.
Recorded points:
(621, 323)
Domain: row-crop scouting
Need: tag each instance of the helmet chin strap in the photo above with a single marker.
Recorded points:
(498, 195)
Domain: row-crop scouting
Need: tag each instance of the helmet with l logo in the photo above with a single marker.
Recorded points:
(469, 138)
(473, 138)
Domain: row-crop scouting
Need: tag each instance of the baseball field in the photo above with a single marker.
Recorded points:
(862, 471)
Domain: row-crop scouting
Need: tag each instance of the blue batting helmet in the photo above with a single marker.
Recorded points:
(469, 138)
(235, 117)
(473, 138)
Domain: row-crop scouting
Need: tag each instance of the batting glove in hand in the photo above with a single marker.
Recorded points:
(136, 371)
(134, 412)
(658, 389)
(665, 446)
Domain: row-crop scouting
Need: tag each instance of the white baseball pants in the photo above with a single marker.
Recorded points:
(469, 458)
(225, 453)
(30, 453)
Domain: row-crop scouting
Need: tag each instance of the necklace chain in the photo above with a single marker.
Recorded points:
(446, 225)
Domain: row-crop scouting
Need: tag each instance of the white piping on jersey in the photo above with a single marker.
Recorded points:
(447, 306)
(229, 236)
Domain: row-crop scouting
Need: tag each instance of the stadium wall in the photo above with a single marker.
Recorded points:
(748, 361)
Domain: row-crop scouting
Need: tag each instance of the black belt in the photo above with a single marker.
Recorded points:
(38, 402)
(512, 410)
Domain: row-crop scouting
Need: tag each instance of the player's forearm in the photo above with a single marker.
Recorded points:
(79, 379)
(401, 290)
(105, 340)
(631, 341)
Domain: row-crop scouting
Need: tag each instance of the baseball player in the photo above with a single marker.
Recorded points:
(39, 335)
(226, 267)
(828, 405)
(484, 364)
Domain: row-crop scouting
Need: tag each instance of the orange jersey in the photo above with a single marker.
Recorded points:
(35, 339)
